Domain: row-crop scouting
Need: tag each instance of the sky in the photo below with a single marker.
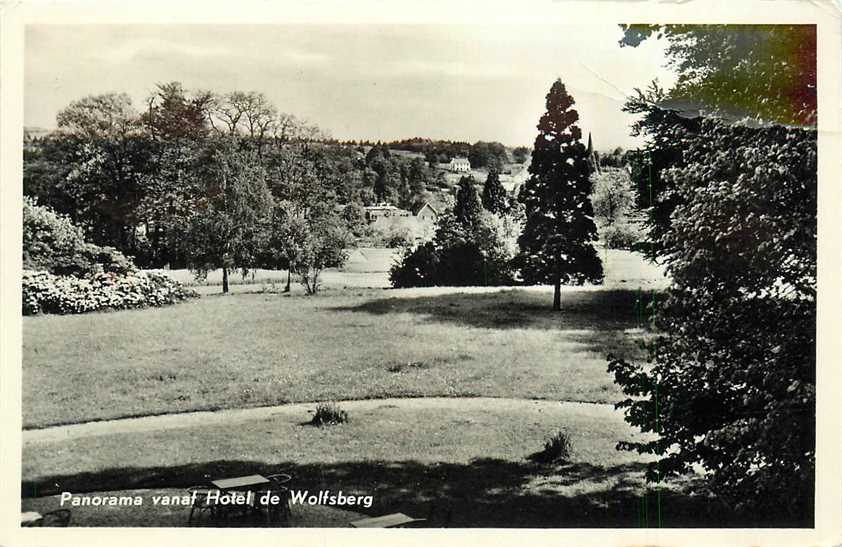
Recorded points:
(376, 82)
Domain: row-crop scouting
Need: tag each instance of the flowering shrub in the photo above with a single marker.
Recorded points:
(44, 292)
(52, 243)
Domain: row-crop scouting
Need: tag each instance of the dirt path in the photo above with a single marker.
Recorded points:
(229, 416)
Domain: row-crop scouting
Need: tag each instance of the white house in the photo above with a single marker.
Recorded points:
(384, 212)
(459, 165)
(426, 213)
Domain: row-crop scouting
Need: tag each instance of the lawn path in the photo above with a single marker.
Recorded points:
(229, 416)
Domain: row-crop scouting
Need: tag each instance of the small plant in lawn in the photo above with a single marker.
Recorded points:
(405, 367)
(328, 414)
(556, 449)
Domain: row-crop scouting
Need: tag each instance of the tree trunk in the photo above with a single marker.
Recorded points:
(557, 295)
(225, 280)
(289, 278)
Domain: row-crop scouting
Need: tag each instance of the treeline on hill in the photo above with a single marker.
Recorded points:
(193, 178)
(481, 154)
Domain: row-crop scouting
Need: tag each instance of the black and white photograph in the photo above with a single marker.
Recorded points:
(421, 275)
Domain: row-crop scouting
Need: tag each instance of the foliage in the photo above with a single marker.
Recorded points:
(319, 243)
(763, 72)
(468, 204)
(667, 137)
(44, 292)
(172, 113)
(392, 236)
(494, 196)
(471, 247)
(612, 195)
(136, 180)
(556, 449)
(520, 154)
(417, 267)
(227, 228)
(475, 252)
(328, 414)
(620, 236)
(556, 245)
(617, 158)
(100, 116)
(487, 154)
(52, 243)
(731, 384)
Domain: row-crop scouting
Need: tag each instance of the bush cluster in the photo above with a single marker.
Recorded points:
(44, 292)
(52, 243)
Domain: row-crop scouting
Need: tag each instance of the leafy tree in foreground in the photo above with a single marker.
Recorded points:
(763, 72)
(556, 245)
(667, 137)
(494, 196)
(731, 381)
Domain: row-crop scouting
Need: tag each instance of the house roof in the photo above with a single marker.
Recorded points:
(421, 208)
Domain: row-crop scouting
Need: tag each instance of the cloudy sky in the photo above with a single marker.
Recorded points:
(474, 82)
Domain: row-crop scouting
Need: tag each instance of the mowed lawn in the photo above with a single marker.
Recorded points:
(247, 350)
(458, 463)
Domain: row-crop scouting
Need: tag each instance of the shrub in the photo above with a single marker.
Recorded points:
(475, 252)
(52, 243)
(619, 237)
(44, 292)
(328, 414)
(390, 236)
(556, 449)
(415, 268)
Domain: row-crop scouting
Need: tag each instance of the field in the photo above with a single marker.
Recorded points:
(451, 392)
(263, 349)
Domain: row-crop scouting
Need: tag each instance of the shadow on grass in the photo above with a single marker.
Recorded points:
(517, 308)
(482, 493)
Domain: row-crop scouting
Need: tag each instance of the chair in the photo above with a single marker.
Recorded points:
(57, 518)
(282, 483)
(275, 512)
(280, 479)
(201, 502)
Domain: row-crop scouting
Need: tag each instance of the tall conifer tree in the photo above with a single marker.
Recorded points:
(556, 245)
(493, 193)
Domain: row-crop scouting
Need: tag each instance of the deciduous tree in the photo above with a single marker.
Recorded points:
(233, 211)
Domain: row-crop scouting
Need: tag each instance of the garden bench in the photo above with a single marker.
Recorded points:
(393, 520)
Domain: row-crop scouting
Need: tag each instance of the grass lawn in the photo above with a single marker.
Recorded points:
(459, 463)
(259, 349)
